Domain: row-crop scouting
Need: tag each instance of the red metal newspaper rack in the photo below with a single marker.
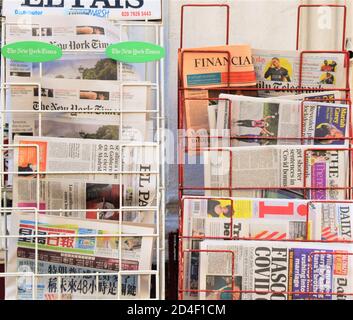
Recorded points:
(187, 192)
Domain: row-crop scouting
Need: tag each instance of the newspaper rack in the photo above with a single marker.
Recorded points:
(192, 191)
(156, 272)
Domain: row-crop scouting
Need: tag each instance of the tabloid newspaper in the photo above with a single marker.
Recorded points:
(254, 119)
(75, 97)
(211, 67)
(63, 252)
(322, 170)
(281, 70)
(108, 9)
(79, 190)
(257, 219)
(266, 270)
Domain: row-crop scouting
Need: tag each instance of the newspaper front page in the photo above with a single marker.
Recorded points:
(67, 103)
(63, 252)
(255, 119)
(251, 170)
(257, 219)
(205, 68)
(281, 70)
(265, 270)
(75, 188)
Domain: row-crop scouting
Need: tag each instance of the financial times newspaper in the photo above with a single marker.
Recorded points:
(60, 254)
(121, 10)
(281, 70)
(255, 119)
(258, 219)
(77, 189)
(74, 97)
(267, 270)
(322, 170)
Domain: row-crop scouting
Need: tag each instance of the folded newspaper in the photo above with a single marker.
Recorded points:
(255, 119)
(64, 182)
(301, 171)
(66, 102)
(257, 219)
(266, 270)
(69, 246)
(206, 68)
(283, 71)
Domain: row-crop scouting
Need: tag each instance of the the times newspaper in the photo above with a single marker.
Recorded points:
(75, 97)
(267, 270)
(255, 119)
(281, 70)
(258, 219)
(120, 10)
(303, 171)
(63, 248)
(72, 186)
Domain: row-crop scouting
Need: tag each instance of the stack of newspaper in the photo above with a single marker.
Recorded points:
(239, 248)
(272, 223)
(86, 166)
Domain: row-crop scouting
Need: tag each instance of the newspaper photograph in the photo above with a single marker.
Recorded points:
(267, 270)
(255, 119)
(281, 70)
(318, 173)
(70, 252)
(73, 98)
(75, 157)
(125, 10)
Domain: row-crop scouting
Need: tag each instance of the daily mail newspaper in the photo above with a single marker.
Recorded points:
(68, 100)
(78, 190)
(281, 70)
(331, 221)
(211, 67)
(322, 170)
(257, 219)
(66, 251)
(255, 119)
(108, 9)
(267, 270)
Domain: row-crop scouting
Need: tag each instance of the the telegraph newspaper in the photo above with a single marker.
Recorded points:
(123, 174)
(285, 71)
(72, 246)
(298, 171)
(255, 119)
(268, 270)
